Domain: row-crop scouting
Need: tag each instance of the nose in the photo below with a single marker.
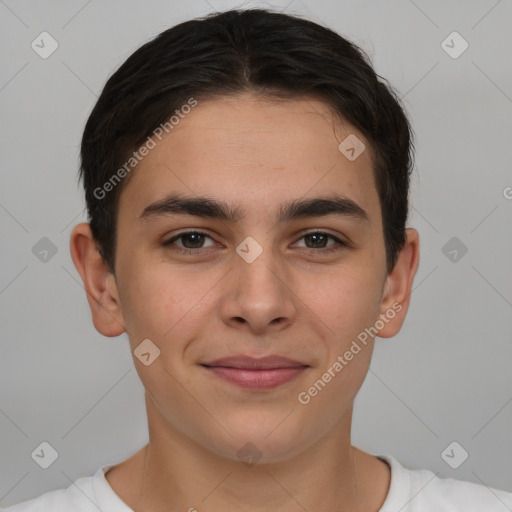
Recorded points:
(259, 296)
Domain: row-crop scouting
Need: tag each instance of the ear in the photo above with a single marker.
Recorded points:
(398, 286)
(99, 282)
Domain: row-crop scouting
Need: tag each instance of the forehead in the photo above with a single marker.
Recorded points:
(254, 153)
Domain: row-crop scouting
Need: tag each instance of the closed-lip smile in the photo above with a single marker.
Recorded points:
(255, 373)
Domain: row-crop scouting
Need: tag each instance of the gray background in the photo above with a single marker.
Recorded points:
(446, 376)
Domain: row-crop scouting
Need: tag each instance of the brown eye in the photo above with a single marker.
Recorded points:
(319, 240)
(189, 241)
(196, 240)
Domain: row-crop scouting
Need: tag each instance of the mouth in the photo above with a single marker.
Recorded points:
(256, 373)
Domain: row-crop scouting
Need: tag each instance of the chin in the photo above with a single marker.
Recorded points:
(261, 440)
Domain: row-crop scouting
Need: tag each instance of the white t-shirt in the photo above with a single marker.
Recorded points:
(417, 490)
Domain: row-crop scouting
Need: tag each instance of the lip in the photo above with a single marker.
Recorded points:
(256, 373)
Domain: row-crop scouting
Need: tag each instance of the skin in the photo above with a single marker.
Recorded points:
(294, 300)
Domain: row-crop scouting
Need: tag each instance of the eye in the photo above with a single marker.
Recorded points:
(318, 240)
(193, 241)
(190, 241)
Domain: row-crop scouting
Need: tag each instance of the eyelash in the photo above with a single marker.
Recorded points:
(339, 244)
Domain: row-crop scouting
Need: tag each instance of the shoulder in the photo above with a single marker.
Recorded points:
(70, 499)
(87, 494)
(420, 490)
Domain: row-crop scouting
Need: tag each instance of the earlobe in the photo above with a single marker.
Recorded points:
(398, 286)
(99, 283)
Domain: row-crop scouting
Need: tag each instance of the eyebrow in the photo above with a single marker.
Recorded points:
(206, 207)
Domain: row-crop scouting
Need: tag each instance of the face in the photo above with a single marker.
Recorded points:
(246, 276)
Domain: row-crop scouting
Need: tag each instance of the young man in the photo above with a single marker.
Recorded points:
(247, 179)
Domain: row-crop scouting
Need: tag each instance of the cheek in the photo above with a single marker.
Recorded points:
(148, 303)
(348, 307)
(347, 300)
(353, 304)
(163, 306)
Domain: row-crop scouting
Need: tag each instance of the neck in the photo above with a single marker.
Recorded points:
(175, 473)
